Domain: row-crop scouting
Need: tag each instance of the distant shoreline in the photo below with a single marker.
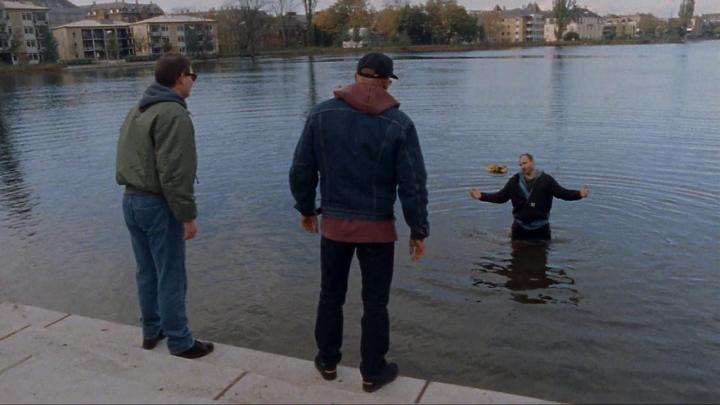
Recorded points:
(309, 52)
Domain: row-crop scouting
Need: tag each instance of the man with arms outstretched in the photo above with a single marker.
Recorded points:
(531, 192)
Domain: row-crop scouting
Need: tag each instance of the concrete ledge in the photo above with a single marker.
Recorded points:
(51, 357)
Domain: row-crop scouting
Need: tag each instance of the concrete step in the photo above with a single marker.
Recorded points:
(281, 368)
(18, 317)
(52, 357)
(159, 372)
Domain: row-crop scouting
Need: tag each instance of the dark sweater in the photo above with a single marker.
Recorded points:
(535, 211)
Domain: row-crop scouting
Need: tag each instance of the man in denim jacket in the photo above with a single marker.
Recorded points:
(364, 152)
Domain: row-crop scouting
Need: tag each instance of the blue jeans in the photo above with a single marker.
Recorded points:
(157, 240)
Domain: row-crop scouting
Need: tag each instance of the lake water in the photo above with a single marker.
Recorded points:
(622, 306)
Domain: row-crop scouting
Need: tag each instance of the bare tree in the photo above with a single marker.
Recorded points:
(563, 12)
(281, 8)
(253, 16)
(310, 6)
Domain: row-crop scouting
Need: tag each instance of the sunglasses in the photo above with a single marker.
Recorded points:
(193, 76)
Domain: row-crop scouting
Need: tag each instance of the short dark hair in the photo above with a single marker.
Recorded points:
(171, 66)
(527, 155)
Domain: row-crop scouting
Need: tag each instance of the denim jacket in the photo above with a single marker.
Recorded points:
(363, 162)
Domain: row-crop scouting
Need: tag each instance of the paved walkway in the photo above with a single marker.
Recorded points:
(52, 357)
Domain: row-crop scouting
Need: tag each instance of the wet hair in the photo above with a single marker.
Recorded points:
(527, 155)
(170, 67)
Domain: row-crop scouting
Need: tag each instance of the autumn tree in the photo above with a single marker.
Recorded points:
(336, 20)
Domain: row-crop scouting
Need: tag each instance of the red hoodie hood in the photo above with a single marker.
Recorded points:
(369, 99)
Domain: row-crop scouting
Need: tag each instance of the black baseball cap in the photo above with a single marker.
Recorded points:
(376, 66)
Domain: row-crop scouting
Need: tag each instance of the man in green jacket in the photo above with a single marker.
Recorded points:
(157, 163)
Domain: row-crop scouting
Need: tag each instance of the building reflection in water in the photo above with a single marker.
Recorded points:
(527, 276)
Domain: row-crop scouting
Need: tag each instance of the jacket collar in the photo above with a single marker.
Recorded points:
(373, 100)
(158, 93)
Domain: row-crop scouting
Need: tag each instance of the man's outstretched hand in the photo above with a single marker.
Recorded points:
(585, 192)
(476, 194)
(309, 224)
(417, 249)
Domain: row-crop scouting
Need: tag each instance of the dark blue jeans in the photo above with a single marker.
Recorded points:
(157, 240)
(376, 263)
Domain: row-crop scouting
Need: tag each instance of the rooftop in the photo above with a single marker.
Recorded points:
(53, 4)
(583, 12)
(175, 19)
(14, 5)
(124, 6)
(94, 24)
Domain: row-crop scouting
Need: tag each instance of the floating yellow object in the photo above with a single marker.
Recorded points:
(497, 169)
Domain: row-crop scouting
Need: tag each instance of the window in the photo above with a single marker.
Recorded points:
(181, 39)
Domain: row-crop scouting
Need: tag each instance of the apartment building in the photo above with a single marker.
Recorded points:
(21, 32)
(588, 25)
(59, 11)
(182, 33)
(92, 39)
(512, 26)
(122, 11)
(629, 26)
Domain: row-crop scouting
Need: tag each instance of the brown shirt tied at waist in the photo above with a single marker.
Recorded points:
(358, 230)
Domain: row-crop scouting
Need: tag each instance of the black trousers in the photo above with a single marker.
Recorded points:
(376, 264)
(520, 233)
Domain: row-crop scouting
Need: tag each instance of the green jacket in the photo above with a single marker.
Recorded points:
(156, 151)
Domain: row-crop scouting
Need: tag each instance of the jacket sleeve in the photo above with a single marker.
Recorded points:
(500, 197)
(176, 163)
(304, 172)
(563, 193)
(412, 184)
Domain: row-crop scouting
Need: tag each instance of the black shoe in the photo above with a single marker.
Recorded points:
(149, 344)
(327, 371)
(386, 376)
(198, 349)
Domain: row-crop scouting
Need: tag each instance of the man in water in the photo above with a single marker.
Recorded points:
(157, 162)
(364, 152)
(532, 193)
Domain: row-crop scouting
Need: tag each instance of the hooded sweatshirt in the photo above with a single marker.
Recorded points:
(371, 100)
(156, 151)
(531, 202)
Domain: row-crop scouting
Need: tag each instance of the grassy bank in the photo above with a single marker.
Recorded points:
(323, 51)
(30, 69)
(298, 52)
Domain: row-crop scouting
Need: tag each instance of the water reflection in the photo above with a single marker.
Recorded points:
(14, 195)
(312, 84)
(527, 275)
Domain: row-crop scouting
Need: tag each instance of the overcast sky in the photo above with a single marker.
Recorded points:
(661, 8)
